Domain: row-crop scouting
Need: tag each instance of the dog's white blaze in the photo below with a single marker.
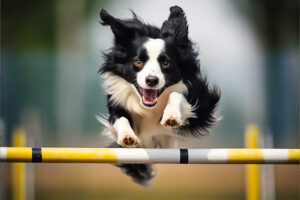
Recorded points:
(154, 48)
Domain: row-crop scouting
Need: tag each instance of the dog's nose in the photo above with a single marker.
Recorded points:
(151, 81)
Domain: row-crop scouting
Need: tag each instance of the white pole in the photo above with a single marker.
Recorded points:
(139, 155)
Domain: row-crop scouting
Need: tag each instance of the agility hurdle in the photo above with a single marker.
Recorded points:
(249, 155)
(140, 155)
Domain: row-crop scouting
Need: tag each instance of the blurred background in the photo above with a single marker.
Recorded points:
(51, 52)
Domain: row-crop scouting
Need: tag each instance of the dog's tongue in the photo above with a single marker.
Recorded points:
(149, 96)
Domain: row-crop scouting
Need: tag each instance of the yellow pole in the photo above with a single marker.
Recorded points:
(140, 155)
(252, 170)
(19, 169)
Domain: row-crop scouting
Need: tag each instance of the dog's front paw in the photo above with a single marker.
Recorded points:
(128, 140)
(171, 119)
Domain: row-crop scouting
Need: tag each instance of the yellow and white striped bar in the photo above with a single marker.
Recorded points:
(139, 155)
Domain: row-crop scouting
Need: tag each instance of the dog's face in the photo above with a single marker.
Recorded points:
(155, 69)
(145, 56)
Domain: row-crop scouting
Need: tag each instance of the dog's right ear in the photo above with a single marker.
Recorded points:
(119, 27)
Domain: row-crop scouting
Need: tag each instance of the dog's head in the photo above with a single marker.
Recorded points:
(150, 58)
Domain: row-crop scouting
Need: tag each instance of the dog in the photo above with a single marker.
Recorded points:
(156, 92)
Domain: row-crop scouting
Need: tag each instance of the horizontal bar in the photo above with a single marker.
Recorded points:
(140, 155)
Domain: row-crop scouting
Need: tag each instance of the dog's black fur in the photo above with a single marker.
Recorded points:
(129, 36)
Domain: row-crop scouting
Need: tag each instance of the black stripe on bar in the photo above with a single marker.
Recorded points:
(36, 155)
(184, 156)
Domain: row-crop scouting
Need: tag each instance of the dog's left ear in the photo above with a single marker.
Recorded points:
(176, 27)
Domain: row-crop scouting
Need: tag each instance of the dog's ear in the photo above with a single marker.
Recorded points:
(119, 28)
(176, 27)
(123, 30)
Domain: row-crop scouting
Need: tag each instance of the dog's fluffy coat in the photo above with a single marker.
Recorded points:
(155, 90)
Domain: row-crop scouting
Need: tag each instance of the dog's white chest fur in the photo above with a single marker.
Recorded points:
(148, 123)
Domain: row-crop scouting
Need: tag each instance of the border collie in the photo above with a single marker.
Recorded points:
(156, 93)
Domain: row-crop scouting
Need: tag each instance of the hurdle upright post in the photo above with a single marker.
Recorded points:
(19, 169)
(252, 170)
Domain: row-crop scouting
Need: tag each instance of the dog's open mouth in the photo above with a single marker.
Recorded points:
(149, 96)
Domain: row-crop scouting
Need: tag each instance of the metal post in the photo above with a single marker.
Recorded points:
(252, 170)
(19, 169)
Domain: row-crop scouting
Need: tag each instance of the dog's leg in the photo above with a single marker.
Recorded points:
(140, 173)
(176, 111)
(125, 135)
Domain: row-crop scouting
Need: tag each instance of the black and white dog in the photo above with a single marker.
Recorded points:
(155, 90)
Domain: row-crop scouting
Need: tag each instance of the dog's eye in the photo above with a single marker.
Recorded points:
(138, 63)
(165, 64)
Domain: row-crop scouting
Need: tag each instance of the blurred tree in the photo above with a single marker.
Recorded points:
(29, 57)
(276, 23)
(27, 72)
